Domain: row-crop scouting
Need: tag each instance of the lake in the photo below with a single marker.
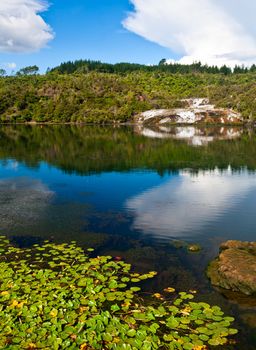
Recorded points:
(137, 193)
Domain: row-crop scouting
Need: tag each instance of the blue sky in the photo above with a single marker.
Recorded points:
(89, 29)
(48, 32)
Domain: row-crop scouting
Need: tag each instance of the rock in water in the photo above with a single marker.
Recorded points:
(235, 267)
(194, 248)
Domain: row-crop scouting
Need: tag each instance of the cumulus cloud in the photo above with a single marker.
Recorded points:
(22, 29)
(215, 32)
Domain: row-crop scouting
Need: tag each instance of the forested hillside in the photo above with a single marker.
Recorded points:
(93, 95)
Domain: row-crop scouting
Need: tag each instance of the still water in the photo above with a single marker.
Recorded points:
(132, 192)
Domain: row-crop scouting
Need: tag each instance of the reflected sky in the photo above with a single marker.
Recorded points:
(40, 201)
(23, 200)
(186, 204)
(183, 205)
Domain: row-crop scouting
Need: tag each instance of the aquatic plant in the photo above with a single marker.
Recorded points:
(60, 297)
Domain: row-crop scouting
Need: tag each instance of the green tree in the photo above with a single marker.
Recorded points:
(225, 70)
(162, 62)
(2, 72)
(30, 70)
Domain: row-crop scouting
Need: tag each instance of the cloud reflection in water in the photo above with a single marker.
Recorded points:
(185, 204)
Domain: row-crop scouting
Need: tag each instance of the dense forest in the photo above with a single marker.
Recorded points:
(95, 92)
(123, 67)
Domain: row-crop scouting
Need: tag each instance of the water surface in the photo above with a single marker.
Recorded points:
(132, 192)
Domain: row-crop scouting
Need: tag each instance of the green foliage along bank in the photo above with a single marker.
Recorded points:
(98, 97)
(58, 297)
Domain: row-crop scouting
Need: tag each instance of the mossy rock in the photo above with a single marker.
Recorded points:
(235, 267)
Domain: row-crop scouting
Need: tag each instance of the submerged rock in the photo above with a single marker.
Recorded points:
(178, 244)
(194, 248)
(250, 319)
(235, 267)
(197, 110)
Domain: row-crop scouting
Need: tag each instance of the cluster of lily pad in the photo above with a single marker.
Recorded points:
(60, 297)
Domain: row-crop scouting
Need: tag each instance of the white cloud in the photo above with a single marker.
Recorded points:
(11, 65)
(212, 31)
(22, 29)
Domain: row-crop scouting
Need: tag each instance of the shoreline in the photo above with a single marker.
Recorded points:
(245, 124)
